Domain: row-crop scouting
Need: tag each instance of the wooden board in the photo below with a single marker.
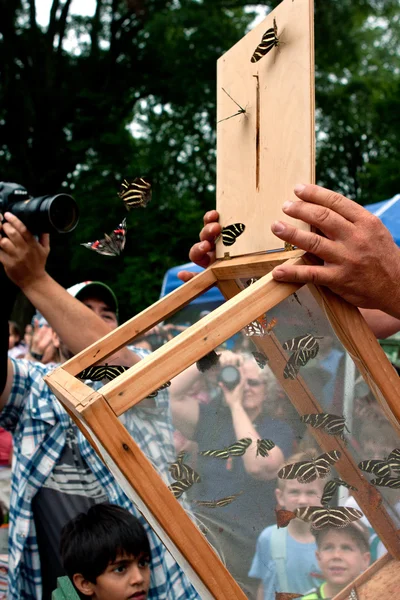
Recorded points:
(380, 581)
(264, 152)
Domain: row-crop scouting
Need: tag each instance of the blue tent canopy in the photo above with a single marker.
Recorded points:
(171, 282)
(389, 213)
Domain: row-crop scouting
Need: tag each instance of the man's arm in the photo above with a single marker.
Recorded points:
(24, 259)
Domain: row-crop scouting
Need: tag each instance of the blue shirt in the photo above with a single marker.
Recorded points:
(39, 423)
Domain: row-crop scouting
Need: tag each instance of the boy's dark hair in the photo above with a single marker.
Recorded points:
(92, 540)
(356, 531)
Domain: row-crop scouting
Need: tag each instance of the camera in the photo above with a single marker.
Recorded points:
(44, 214)
(229, 376)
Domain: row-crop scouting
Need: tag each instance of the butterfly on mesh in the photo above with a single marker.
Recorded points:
(230, 233)
(260, 359)
(110, 245)
(135, 193)
(309, 470)
(162, 387)
(380, 468)
(218, 503)
(287, 596)
(183, 472)
(390, 482)
(179, 487)
(303, 348)
(331, 424)
(236, 449)
(320, 517)
(264, 446)
(208, 361)
(254, 329)
(331, 487)
(394, 459)
(283, 517)
(97, 373)
(268, 41)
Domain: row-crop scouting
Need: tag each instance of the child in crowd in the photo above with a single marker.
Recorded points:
(285, 557)
(343, 554)
(106, 554)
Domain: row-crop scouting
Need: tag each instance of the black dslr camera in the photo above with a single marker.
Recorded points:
(44, 214)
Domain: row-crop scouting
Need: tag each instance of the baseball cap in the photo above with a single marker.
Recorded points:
(97, 288)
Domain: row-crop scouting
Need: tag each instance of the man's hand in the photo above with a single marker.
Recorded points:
(361, 259)
(24, 258)
(203, 253)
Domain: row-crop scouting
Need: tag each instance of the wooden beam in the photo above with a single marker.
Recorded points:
(380, 581)
(255, 265)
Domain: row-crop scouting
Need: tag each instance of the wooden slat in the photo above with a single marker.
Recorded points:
(255, 265)
(139, 324)
(367, 496)
(184, 350)
(381, 581)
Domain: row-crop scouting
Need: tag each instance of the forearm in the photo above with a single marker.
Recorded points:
(75, 323)
(381, 324)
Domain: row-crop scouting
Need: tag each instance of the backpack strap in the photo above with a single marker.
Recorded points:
(278, 542)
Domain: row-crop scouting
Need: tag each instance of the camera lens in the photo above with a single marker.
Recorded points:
(229, 376)
(46, 214)
(62, 212)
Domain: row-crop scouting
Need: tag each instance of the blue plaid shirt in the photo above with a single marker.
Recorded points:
(39, 423)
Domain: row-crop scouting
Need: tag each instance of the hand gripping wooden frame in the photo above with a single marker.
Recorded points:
(268, 147)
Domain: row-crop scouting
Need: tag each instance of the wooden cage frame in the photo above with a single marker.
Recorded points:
(96, 412)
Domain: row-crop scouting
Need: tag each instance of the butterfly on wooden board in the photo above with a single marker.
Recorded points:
(264, 446)
(260, 359)
(331, 424)
(179, 487)
(135, 193)
(236, 449)
(260, 326)
(268, 41)
(180, 471)
(353, 595)
(309, 470)
(380, 468)
(287, 596)
(303, 348)
(390, 482)
(218, 503)
(230, 233)
(208, 361)
(331, 487)
(110, 245)
(320, 517)
(97, 373)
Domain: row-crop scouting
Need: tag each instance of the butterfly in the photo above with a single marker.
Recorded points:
(135, 193)
(251, 281)
(289, 247)
(179, 487)
(97, 373)
(394, 459)
(231, 232)
(310, 470)
(283, 517)
(162, 387)
(218, 503)
(380, 468)
(263, 447)
(208, 361)
(304, 348)
(287, 596)
(260, 359)
(268, 41)
(236, 449)
(390, 482)
(254, 329)
(320, 517)
(306, 342)
(182, 472)
(331, 487)
(110, 245)
(331, 424)
(353, 595)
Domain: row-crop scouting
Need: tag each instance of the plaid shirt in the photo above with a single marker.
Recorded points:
(39, 423)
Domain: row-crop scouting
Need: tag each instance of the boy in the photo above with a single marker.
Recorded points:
(285, 558)
(343, 554)
(106, 554)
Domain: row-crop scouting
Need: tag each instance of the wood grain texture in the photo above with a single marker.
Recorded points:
(381, 581)
(263, 153)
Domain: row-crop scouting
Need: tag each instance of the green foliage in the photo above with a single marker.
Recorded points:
(66, 112)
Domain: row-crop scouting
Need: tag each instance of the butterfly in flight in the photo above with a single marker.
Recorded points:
(218, 503)
(320, 517)
(268, 41)
(110, 245)
(309, 470)
(331, 487)
(236, 449)
(135, 193)
(264, 446)
(230, 233)
(331, 424)
(97, 373)
(183, 472)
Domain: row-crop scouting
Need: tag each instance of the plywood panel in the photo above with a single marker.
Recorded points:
(265, 151)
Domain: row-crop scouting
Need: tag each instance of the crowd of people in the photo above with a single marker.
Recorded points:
(67, 514)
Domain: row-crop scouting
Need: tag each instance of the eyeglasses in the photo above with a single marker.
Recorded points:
(254, 382)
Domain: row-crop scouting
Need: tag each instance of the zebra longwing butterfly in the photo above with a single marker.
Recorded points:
(302, 342)
(110, 245)
(264, 446)
(135, 193)
(230, 233)
(260, 359)
(331, 487)
(394, 459)
(268, 41)
(179, 487)
(380, 468)
(331, 424)
(236, 449)
(218, 503)
(97, 373)
(183, 472)
(320, 517)
(309, 470)
(390, 482)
